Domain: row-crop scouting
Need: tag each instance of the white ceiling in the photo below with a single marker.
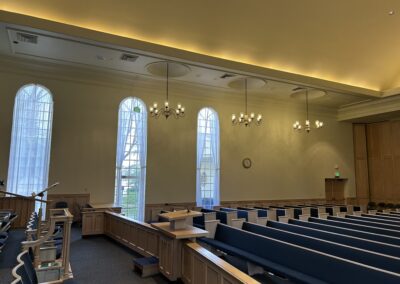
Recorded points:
(353, 42)
(67, 50)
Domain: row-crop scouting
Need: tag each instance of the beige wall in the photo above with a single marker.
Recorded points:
(286, 165)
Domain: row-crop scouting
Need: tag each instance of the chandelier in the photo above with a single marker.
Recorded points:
(167, 111)
(307, 125)
(245, 118)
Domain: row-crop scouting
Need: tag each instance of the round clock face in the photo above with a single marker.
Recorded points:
(246, 163)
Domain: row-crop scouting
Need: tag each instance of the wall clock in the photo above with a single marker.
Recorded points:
(246, 163)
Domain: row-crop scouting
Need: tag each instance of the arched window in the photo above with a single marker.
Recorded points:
(207, 181)
(130, 181)
(30, 140)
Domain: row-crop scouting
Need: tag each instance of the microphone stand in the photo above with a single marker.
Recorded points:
(41, 195)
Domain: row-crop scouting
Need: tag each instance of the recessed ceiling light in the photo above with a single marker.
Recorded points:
(391, 12)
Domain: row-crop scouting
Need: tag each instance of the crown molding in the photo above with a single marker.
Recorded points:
(369, 108)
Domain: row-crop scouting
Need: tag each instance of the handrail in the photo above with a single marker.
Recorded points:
(25, 197)
(223, 265)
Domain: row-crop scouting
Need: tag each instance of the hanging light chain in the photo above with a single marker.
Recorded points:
(297, 126)
(167, 111)
(245, 118)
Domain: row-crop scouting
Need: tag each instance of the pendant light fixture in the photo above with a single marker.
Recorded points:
(307, 126)
(167, 111)
(245, 118)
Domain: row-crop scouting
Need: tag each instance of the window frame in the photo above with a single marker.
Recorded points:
(212, 179)
(138, 207)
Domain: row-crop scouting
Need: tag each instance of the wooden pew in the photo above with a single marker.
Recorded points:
(304, 265)
(371, 245)
(375, 218)
(360, 227)
(224, 217)
(364, 221)
(355, 232)
(374, 259)
(249, 215)
(270, 213)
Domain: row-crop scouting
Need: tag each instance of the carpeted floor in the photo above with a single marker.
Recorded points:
(93, 260)
(8, 257)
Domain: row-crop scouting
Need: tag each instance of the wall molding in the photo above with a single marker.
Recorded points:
(142, 85)
(369, 108)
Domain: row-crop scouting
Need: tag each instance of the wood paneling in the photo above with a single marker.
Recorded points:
(22, 206)
(75, 202)
(377, 162)
(139, 236)
(361, 163)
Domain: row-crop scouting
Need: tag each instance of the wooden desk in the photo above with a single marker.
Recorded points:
(170, 247)
(93, 218)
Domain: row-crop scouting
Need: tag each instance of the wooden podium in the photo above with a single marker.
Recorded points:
(179, 219)
(172, 236)
(334, 189)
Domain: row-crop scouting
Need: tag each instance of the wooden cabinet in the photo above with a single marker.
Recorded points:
(92, 223)
(334, 189)
(170, 247)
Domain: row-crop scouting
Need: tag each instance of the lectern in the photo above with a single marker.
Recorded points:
(172, 236)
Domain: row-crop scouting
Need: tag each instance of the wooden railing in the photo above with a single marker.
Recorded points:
(22, 206)
(201, 266)
(138, 236)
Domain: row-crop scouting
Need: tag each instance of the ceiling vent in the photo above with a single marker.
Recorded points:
(227, 75)
(129, 57)
(29, 38)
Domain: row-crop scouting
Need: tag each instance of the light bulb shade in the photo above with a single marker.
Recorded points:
(166, 104)
(155, 105)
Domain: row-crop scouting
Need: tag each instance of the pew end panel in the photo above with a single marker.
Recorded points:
(304, 217)
(284, 219)
(238, 223)
(211, 227)
(229, 216)
(252, 216)
(208, 216)
(323, 215)
(271, 215)
(262, 221)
